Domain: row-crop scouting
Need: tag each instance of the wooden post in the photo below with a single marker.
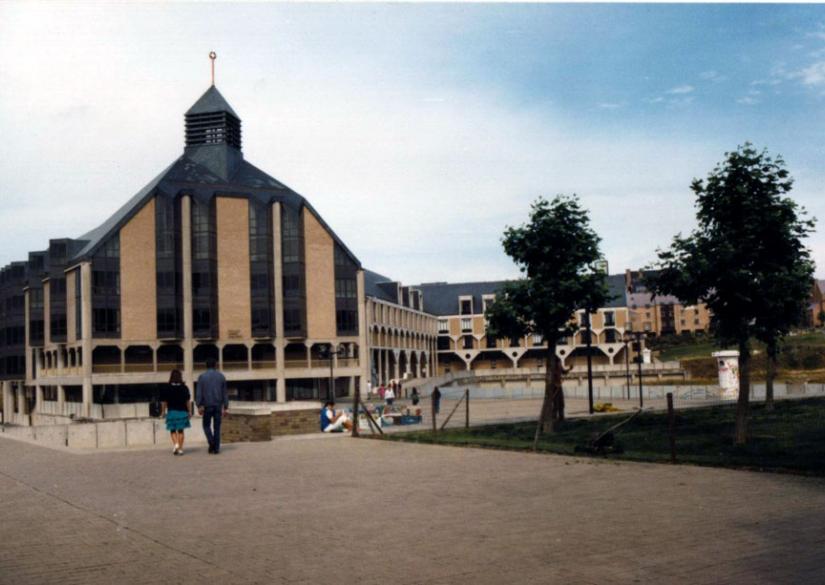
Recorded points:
(671, 427)
(467, 408)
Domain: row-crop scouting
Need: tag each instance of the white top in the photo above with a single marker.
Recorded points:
(388, 393)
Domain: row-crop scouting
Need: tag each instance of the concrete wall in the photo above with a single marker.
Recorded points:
(234, 304)
(320, 279)
(138, 297)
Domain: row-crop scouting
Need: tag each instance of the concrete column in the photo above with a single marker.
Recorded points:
(395, 366)
(363, 335)
(154, 357)
(309, 354)
(61, 363)
(38, 396)
(8, 402)
(278, 289)
(188, 344)
(61, 398)
(249, 356)
(220, 356)
(122, 349)
(86, 331)
(21, 400)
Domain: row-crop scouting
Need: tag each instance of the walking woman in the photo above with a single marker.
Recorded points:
(177, 403)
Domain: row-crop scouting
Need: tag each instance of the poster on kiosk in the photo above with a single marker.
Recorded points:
(728, 364)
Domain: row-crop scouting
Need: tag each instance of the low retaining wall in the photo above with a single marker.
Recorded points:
(241, 425)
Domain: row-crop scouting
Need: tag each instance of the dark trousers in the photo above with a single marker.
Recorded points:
(212, 426)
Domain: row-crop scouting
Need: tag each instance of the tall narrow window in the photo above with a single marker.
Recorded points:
(106, 289)
(260, 269)
(204, 269)
(346, 293)
(168, 265)
(78, 306)
(294, 282)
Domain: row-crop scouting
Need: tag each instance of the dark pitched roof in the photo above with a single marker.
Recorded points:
(186, 175)
(616, 289)
(211, 101)
(441, 298)
(371, 288)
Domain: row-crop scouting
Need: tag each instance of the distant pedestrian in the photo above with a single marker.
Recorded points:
(177, 403)
(436, 396)
(213, 401)
(416, 397)
(381, 391)
(389, 396)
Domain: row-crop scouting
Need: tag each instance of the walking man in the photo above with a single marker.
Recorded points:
(212, 400)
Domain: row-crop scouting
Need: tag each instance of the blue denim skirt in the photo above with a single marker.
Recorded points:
(177, 420)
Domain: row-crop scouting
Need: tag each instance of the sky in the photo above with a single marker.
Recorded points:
(418, 131)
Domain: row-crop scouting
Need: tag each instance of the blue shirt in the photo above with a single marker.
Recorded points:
(210, 389)
(325, 420)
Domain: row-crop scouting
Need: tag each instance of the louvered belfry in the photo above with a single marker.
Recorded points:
(212, 121)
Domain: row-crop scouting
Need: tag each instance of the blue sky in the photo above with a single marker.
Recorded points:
(419, 131)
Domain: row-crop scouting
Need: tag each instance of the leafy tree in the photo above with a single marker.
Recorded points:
(746, 259)
(557, 253)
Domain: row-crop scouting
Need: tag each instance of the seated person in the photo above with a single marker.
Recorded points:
(331, 422)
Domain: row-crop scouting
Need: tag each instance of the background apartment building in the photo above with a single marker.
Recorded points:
(463, 343)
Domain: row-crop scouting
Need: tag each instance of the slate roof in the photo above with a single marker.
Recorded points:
(441, 298)
(371, 288)
(190, 176)
(211, 101)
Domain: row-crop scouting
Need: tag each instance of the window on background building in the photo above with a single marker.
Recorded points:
(468, 342)
(490, 341)
(647, 326)
(514, 341)
(294, 282)
(106, 289)
(443, 343)
(466, 306)
(683, 322)
(609, 319)
(538, 339)
(561, 341)
(443, 326)
(260, 269)
(204, 269)
(346, 292)
(168, 260)
(466, 324)
(610, 336)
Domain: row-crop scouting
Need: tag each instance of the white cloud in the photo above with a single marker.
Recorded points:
(747, 100)
(681, 89)
(713, 76)
(814, 74)
(611, 105)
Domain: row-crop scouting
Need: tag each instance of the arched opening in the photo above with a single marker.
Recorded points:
(414, 365)
(139, 358)
(203, 352)
(106, 359)
(295, 355)
(235, 357)
(263, 356)
(403, 365)
(170, 357)
(533, 358)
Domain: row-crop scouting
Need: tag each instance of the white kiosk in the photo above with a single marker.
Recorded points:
(728, 363)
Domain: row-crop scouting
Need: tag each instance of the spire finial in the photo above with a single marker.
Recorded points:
(212, 57)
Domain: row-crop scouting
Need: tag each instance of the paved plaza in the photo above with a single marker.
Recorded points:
(338, 510)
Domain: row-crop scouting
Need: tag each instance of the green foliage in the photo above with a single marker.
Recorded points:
(746, 260)
(558, 254)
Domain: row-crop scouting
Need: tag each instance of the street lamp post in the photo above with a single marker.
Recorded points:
(626, 338)
(589, 362)
(636, 337)
(327, 352)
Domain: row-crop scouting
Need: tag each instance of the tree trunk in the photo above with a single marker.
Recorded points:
(743, 404)
(547, 418)
(770, 375)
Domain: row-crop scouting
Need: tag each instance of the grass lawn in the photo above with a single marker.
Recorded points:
(703, 347)
(791, 438)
